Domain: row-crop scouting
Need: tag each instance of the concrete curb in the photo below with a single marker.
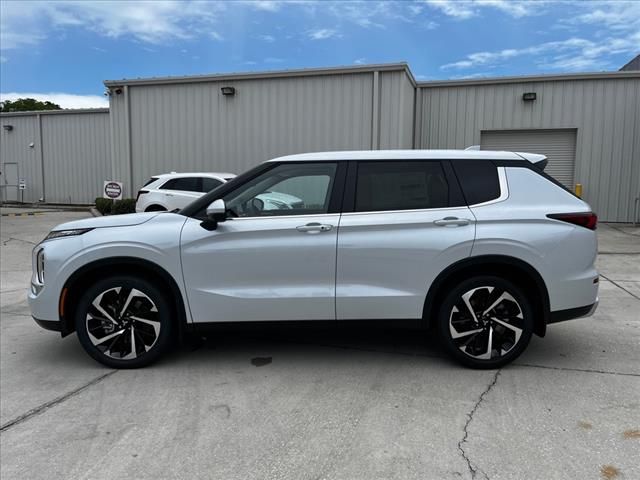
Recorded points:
(94, 211)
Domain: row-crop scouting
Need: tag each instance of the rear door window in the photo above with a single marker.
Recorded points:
(187, 184)
(478, 179)
(399, 185)
(209, 184)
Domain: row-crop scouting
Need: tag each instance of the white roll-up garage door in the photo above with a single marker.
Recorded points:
(558, 145)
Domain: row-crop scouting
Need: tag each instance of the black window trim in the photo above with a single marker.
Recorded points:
(455, 191)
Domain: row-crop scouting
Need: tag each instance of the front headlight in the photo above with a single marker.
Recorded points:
(66, 233)
(40, 266)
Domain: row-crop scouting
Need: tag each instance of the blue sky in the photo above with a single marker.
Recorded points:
(62, 50)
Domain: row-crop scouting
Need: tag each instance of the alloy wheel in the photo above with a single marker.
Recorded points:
(123, 323)
(486, 323)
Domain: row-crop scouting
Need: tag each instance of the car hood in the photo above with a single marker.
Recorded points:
(127, 220)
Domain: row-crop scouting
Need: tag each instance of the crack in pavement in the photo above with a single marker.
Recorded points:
(52, 403)
(473, 470)
(583, 370)
(18, 240)
(620, 286)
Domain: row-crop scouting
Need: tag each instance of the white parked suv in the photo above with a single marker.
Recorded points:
(172, 191)
(177, 190)
(481, 245)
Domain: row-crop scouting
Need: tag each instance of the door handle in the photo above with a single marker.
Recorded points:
(314, 227)
(452, 222)
(169, 194)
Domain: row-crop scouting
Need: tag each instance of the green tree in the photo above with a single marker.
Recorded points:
(27, 105)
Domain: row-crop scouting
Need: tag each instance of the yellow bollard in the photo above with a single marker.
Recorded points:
(579, 190)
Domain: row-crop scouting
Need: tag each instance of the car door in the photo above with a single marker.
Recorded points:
(403, 222)
(180, 192)
(268, 264)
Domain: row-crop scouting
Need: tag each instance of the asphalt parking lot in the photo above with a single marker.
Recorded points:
(288, 404)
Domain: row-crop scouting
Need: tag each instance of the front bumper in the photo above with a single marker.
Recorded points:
(571, 313)
(55, 326)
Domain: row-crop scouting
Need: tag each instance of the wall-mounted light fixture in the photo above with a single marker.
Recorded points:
(8, 128)
(228, 91)
(529, 96)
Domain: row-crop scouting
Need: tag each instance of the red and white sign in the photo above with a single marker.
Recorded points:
(112, 190)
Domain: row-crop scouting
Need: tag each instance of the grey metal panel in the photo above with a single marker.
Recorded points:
(15, 148)
(396, 111)
(76, 156)
(193, 127)
(604, 112)
(118, 127)
(558, 145)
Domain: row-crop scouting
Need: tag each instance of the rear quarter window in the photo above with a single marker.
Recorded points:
(478, 179)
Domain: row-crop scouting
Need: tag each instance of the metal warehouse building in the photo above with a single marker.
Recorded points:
(587, 124)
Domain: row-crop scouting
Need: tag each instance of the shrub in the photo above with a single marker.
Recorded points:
(126, 205)
(103, 205)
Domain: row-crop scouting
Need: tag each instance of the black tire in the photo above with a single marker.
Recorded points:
(149, 331)
(473, 334)
(155, 208)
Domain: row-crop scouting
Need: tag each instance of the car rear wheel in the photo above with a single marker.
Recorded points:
(124, 322)
(485, 322)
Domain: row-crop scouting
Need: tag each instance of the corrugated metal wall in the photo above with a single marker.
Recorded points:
(15, 148)
(605, 112)
(397, 97)
(72, 146)
(77, 156)
(193, 127)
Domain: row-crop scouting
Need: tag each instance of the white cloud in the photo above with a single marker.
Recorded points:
(570, 55)
(65, 100)
(360, 61)
(457, 9)
(322, 34)
(23, 23)
(268, 5)
(621, 15)
(465, 9)
(267, 38)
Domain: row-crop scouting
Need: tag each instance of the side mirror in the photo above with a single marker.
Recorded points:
(217, 211)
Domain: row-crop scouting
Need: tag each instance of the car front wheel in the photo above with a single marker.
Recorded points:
(485, 322)
(124, 322)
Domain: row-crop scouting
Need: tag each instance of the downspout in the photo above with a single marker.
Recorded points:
(375, 112)
(41, 149)
(128, 127)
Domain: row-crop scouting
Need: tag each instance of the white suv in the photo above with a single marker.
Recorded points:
(481, 245)
(177, 190)
(172, 191)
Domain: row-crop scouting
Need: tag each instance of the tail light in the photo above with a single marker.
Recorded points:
(582, 219)
(141, 192)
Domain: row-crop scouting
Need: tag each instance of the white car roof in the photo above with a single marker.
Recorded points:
(194, 174)
(410, 155)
